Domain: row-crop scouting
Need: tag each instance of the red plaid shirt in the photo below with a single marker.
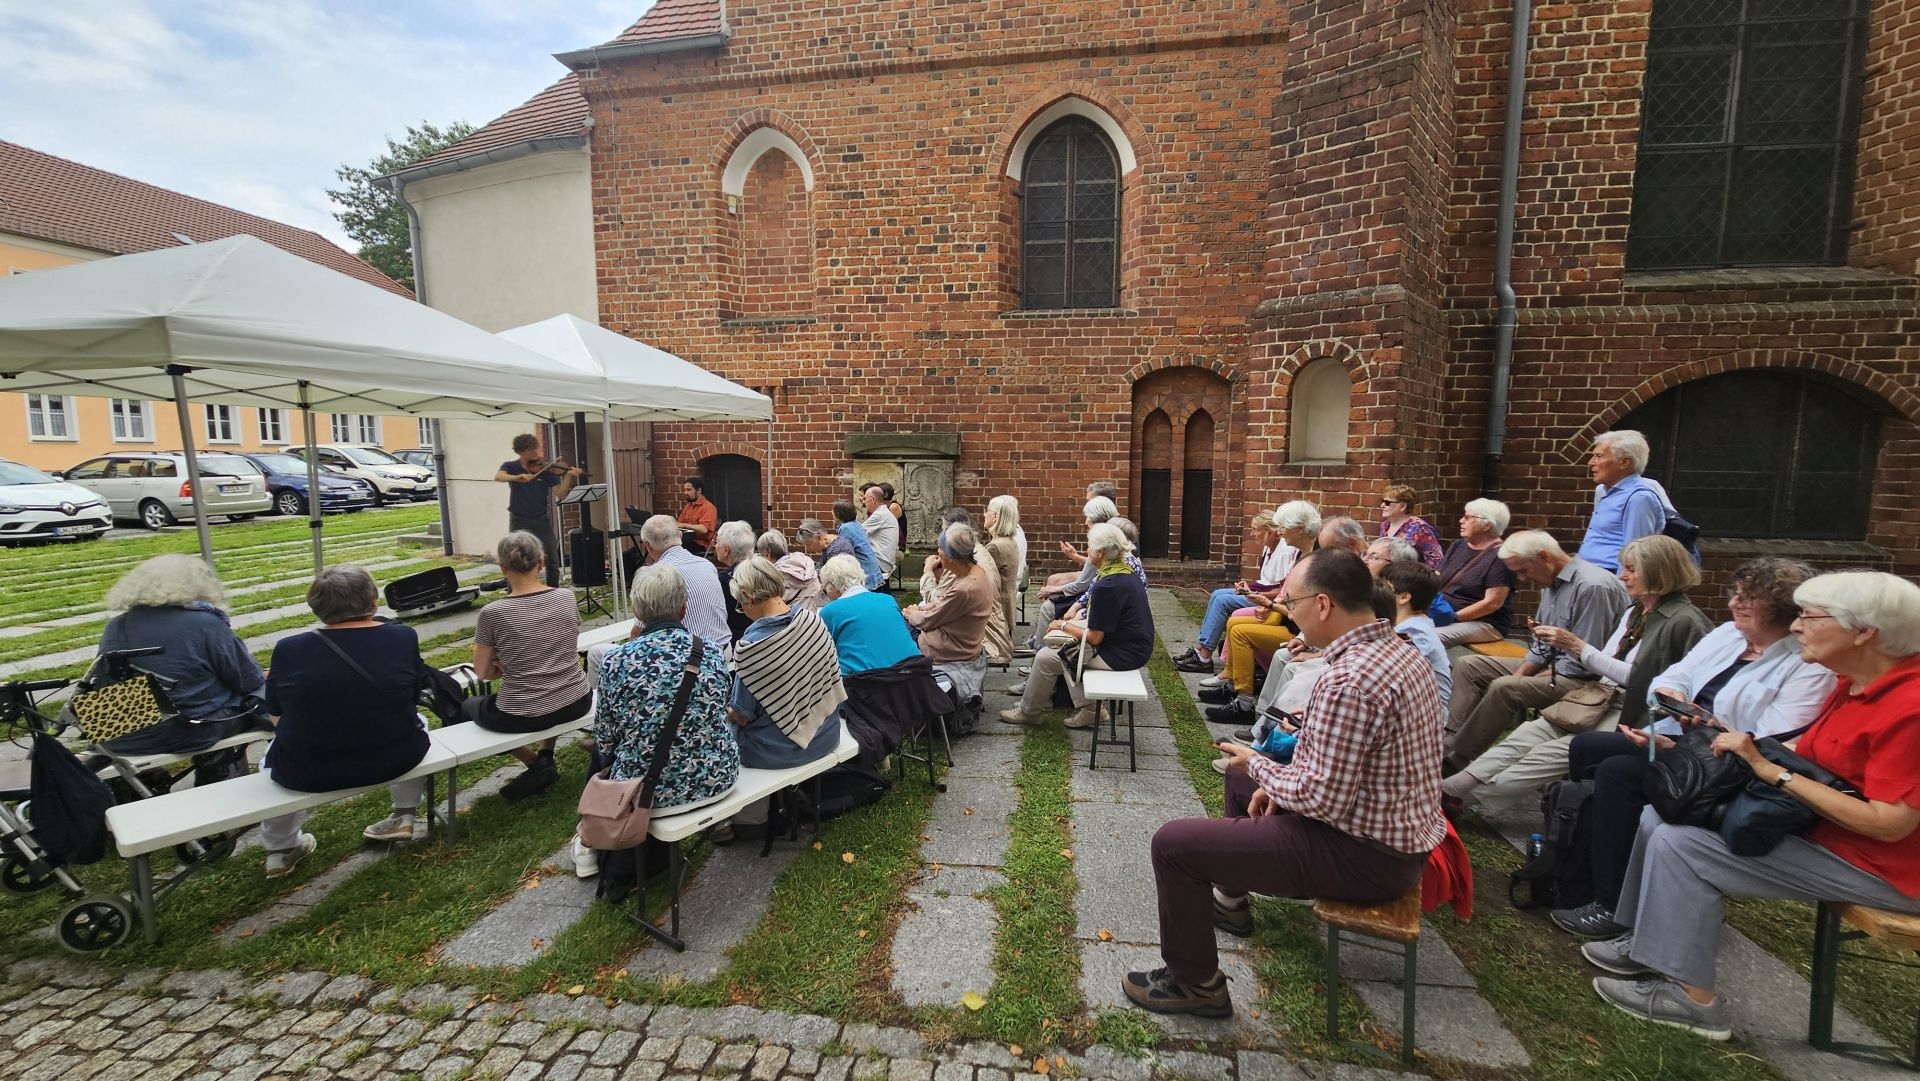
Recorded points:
(1368, 760)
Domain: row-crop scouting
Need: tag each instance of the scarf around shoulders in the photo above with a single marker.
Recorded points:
(794, 674)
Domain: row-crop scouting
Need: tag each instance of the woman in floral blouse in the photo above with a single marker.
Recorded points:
(1398, 520)
(639, 680)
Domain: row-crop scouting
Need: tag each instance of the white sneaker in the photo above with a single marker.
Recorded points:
(280, 864)
(1084, 717)
(586, 862)
(394, 827)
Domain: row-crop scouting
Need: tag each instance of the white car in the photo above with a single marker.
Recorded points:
(393, 480)
(36, 506)
(152, 487)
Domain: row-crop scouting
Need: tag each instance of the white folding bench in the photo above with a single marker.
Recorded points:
(676, 825)
(617, 631)
(146, 826)
(1108, 691)
(470, 743)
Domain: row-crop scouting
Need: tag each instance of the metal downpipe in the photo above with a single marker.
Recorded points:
(1503, 327)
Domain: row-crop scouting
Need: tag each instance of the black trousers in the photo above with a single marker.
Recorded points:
(541, 527)
(1618, 770)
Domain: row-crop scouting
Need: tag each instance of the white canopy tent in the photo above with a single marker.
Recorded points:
(636, 381)
(239, 321)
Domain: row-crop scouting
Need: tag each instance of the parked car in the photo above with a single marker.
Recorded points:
(287, 484)
(393, 480)
(153, 487)
(420, 456)
(36, 506)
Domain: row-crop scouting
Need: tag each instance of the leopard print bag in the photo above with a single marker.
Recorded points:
(121, 709)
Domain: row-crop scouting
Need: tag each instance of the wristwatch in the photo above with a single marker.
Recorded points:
(1781, 781)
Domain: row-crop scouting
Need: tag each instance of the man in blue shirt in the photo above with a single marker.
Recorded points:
(533, 484)
(851, 539)
(1626, 506)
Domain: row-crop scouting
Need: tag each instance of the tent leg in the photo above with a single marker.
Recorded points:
(179, 374)
(767, 495)
(313, 479)
(440, 479)
(616, 566)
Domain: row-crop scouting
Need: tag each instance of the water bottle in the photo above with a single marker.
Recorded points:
(1534, 843)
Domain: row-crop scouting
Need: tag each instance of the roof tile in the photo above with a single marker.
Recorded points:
(558, 110)
(669, 19)
(64, 202)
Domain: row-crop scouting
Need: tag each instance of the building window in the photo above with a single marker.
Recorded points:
(341, 428)
(1070, 219)
(273, 425)
(1764, 454)
(220, 424)
(130, 422)
(1749, 115)
(426, 432)
(368, 427)
(1321, 401)
(50, 417)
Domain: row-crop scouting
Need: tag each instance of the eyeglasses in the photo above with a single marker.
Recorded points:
(1805, 618)
(1475, 517)
(1738, 596)
(1287, 602)
(1393, 502)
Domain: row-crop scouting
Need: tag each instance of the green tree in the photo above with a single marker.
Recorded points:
(369, 212)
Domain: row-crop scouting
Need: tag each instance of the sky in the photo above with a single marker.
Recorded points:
(255, 103)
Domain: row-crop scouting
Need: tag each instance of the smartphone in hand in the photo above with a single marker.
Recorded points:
(1680, 710)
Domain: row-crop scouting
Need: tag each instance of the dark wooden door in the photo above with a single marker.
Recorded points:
(733, 484)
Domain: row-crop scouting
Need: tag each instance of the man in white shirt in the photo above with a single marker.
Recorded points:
(706, 606)
(883, 532)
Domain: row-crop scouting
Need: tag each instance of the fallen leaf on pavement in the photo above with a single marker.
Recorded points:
(1041, 1066)
(973, 1000)
(577, 989)
(1105, 935)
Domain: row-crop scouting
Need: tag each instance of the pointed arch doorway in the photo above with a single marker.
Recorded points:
(1179, 436)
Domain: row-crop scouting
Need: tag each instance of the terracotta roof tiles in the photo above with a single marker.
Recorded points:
(559, 110)
(53, 199)
(669, 19)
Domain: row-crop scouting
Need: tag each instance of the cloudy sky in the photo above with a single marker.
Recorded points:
(255, 103)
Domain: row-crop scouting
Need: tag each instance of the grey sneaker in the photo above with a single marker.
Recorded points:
(1018, 689)
(280, 864)
(394, 827)
(1014, 716)
(1664, 1002)
(1084, 717)
(1612, 954)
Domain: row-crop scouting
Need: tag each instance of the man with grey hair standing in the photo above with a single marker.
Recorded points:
(883, 529)
(1626, 505)
(706, 608)
(1574, 594)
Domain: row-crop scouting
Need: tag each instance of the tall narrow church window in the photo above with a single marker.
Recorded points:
(1070, 219)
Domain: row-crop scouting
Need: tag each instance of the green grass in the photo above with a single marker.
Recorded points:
(1191, 736)
(1885, 997)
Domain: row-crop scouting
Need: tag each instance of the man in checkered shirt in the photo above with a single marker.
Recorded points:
(1351, 818)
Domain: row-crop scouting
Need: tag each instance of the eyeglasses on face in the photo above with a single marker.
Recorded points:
(1287, 602)
(1809, 617)
(1393, 502)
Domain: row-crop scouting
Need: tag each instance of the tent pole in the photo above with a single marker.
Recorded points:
(767, 496)
(440, 480)
(313, 478)
(615, 564)
(179, 375)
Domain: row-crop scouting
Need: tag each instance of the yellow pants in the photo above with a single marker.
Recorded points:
(1247, 636)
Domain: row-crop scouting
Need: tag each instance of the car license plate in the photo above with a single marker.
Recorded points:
(72, 530)
(232, 489)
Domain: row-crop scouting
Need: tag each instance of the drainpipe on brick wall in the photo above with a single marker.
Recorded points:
(1503, 253)
(399, 187)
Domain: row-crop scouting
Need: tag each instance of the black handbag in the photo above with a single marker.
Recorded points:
(1761, 815)
(1689, 785)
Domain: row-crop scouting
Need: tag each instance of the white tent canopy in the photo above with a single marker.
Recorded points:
(239, 321)
(254, 323)
(638, 381)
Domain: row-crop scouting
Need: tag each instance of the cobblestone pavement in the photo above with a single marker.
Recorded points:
(73, 1019)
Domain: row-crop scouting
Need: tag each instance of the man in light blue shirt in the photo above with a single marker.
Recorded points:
(1626, 506)
(706, 606)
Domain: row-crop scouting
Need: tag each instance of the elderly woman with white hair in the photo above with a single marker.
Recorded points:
(1255, 632)
(638, 681)
(529, 641)
(1118, 632)
(176, 603)
(803, 578)
(1006, 553)
(1475, 580)
(1277, 555)
(1863, 849)
(1067, 587)
(786, 688)
(1626, 505)
(732, 542)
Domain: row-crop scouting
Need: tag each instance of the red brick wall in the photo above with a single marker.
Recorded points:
(768, 264)
(1314, 179)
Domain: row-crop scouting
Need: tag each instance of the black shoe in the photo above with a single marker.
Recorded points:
(1191, 661)
(532, 781)
(1592, 920)
(1244, 735)
(1234, 712)
(1219, 696)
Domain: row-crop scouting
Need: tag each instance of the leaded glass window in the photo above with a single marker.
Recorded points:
(1070, 219)
(1749, 114)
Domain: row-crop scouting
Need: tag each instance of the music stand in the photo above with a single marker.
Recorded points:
(582, 497)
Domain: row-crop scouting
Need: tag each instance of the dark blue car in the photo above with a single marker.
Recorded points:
(287, 482)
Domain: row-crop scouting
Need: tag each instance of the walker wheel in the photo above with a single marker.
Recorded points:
(16, 876)
(96, 923)
(213, 849)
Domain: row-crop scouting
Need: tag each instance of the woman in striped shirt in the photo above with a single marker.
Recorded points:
(528, 640)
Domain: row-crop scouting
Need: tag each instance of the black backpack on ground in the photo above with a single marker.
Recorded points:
(1560, 875)
(846, 787)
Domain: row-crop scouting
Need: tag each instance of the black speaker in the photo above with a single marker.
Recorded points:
(589, 549)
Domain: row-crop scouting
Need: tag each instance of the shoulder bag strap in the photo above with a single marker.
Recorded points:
(671, 730)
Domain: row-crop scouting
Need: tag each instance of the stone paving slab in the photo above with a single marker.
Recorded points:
(524, 927)
(1454, 1022)
(944, 945)
(1155, 787)
(956, 837)
(721, 907)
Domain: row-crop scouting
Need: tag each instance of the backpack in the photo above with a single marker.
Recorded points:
(846, 787)
(444, 692)
(1560, 874)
